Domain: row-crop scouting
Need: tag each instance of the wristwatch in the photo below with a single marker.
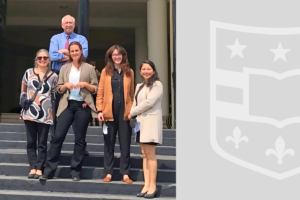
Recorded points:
(100, 111)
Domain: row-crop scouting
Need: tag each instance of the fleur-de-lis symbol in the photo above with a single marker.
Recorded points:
(280, 151)
(236, 139)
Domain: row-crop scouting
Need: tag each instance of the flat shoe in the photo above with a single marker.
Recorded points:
(31, 176)
(44, 178)
(36, 176)
(127, 180)
(107, 179)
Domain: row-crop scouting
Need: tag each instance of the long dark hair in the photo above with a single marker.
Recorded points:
(110, 63)
(81, 59)
(154, 77)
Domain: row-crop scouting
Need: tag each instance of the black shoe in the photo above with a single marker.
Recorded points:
(141, 194)
(75, 178)
(86, 153)
(36, 176)
(151, 196)
(44, 177)
(31, 176)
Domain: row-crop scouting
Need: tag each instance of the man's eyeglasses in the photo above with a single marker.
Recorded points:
(44, 58)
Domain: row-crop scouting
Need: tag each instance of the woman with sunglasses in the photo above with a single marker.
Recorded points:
(38, 116)
(77, 82)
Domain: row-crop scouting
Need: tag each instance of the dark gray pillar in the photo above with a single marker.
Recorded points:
(3, 7)
(83, 18)
(174, 57)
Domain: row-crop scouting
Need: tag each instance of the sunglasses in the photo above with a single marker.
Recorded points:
(44, 58)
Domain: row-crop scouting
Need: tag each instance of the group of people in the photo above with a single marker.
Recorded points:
(70, 93)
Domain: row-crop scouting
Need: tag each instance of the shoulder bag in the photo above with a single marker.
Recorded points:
(24, 102)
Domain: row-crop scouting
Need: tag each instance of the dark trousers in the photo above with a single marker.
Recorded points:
(96, 119)
(81, 117)
(36, 132)
(124, 133)
(55, 103)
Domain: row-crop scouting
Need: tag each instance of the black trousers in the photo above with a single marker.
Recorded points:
(81, 117)
(96, 119)
(55, 103)
(36, 132)
(124, 133)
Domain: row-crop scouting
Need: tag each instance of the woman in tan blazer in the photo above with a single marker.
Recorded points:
(147, 110)
(114, 100)
(77, 82)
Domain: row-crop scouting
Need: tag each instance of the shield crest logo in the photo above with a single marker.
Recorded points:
(254, 97)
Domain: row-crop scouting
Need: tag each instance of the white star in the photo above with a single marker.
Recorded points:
(280, 52)
(236, 49)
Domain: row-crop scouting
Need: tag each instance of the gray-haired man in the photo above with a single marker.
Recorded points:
(59, 55)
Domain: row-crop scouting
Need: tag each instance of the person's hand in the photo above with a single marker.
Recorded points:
(66, 58)
(129, 116)
(100, 117)
(81, 84)
(64, 51)
(70, 86)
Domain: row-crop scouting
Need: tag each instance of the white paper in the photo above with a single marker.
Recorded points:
(104, 129)
(137, 127)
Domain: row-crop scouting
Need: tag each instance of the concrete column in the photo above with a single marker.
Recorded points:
(158, 44)
(3, 7)
(141, 51)
(83, 18)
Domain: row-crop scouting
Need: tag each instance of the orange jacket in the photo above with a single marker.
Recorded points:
(105, 96)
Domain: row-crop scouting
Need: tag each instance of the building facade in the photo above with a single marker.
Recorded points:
(145, 28)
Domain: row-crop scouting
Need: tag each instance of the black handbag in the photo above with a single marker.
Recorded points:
(133, 119)
(24, 102)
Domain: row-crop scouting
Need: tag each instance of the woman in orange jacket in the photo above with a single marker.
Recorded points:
(114, 100)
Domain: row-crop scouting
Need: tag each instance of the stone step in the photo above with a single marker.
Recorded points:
(69, 146)
(10, 115)
(12, 118)
(37, 195)
(22, 169)
(95, 159)
(83, 186)
(92, 130)
(12, 121)
(97, 139)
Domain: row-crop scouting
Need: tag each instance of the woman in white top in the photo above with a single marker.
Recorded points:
(77, 81)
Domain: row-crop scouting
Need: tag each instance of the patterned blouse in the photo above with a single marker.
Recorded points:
(41, 109)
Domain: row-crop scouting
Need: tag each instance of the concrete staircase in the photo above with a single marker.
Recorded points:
(11, 118)
(14, 169)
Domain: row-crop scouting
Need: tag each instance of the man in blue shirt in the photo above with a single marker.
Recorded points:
(59, 55)
(59, 43)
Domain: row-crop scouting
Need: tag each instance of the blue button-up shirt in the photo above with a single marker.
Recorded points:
(58, 42)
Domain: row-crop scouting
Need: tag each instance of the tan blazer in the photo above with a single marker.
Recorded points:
(88, 75)
(104, 98)
(149, 112)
